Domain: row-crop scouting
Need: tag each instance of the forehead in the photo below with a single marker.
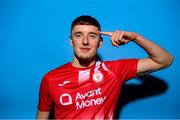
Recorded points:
(85, 28)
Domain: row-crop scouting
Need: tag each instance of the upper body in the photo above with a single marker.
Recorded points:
(85, 88)
(82, 93)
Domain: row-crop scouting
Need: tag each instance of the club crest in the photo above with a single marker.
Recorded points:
(97, 77)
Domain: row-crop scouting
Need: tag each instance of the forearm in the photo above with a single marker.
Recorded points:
(155, 52)
(42, 115)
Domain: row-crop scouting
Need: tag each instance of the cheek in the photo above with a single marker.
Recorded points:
(95, 44)
(75, 43)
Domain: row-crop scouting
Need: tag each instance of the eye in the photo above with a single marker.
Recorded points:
(92, 36)
(77, 35)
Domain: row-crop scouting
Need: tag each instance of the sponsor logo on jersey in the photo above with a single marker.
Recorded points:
(66, 99)
(88, 99)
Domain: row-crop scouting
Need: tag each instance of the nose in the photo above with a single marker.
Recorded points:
(85, 41)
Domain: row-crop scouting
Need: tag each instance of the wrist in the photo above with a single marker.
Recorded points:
(137, 37)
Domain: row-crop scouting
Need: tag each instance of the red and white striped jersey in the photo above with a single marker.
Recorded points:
(85, 93)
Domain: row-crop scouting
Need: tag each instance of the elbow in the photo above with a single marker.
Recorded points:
(169, 61)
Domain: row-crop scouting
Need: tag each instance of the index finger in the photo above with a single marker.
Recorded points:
(106, 33)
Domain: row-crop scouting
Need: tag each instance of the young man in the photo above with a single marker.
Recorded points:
(89, 89)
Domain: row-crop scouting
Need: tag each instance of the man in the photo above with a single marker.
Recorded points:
(89, 89)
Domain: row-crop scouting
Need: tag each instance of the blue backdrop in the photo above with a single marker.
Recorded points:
(34, 38)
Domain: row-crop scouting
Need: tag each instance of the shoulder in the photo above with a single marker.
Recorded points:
(121, 62)
(123, 68)
(57, 71)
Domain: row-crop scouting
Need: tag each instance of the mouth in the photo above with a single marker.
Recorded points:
(85, 49)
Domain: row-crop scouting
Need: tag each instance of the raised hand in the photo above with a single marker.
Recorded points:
(120, 37)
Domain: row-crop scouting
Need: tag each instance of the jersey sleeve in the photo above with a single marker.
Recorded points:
(124, 69)
(45, 100)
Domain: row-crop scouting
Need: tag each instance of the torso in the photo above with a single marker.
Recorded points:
(84, 93)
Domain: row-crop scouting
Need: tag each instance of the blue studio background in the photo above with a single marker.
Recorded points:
(34, 39)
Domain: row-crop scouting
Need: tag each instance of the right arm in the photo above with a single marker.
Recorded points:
(45, 104)
(42, 115)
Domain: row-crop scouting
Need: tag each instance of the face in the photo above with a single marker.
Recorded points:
(85, 41)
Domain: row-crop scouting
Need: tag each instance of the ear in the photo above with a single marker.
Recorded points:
(71, 42)
(100, 42)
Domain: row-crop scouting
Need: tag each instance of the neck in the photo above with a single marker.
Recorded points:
(83, 63)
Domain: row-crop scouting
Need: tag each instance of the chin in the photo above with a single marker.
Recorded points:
(86, 58)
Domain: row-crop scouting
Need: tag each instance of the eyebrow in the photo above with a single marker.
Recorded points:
(77, 33)
(82, 32)
(93, 33)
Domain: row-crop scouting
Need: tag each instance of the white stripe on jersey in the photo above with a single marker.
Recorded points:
(104, 67)
(83, 75)
(98, 64)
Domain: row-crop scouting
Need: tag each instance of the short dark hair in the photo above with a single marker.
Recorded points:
(85, 20)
